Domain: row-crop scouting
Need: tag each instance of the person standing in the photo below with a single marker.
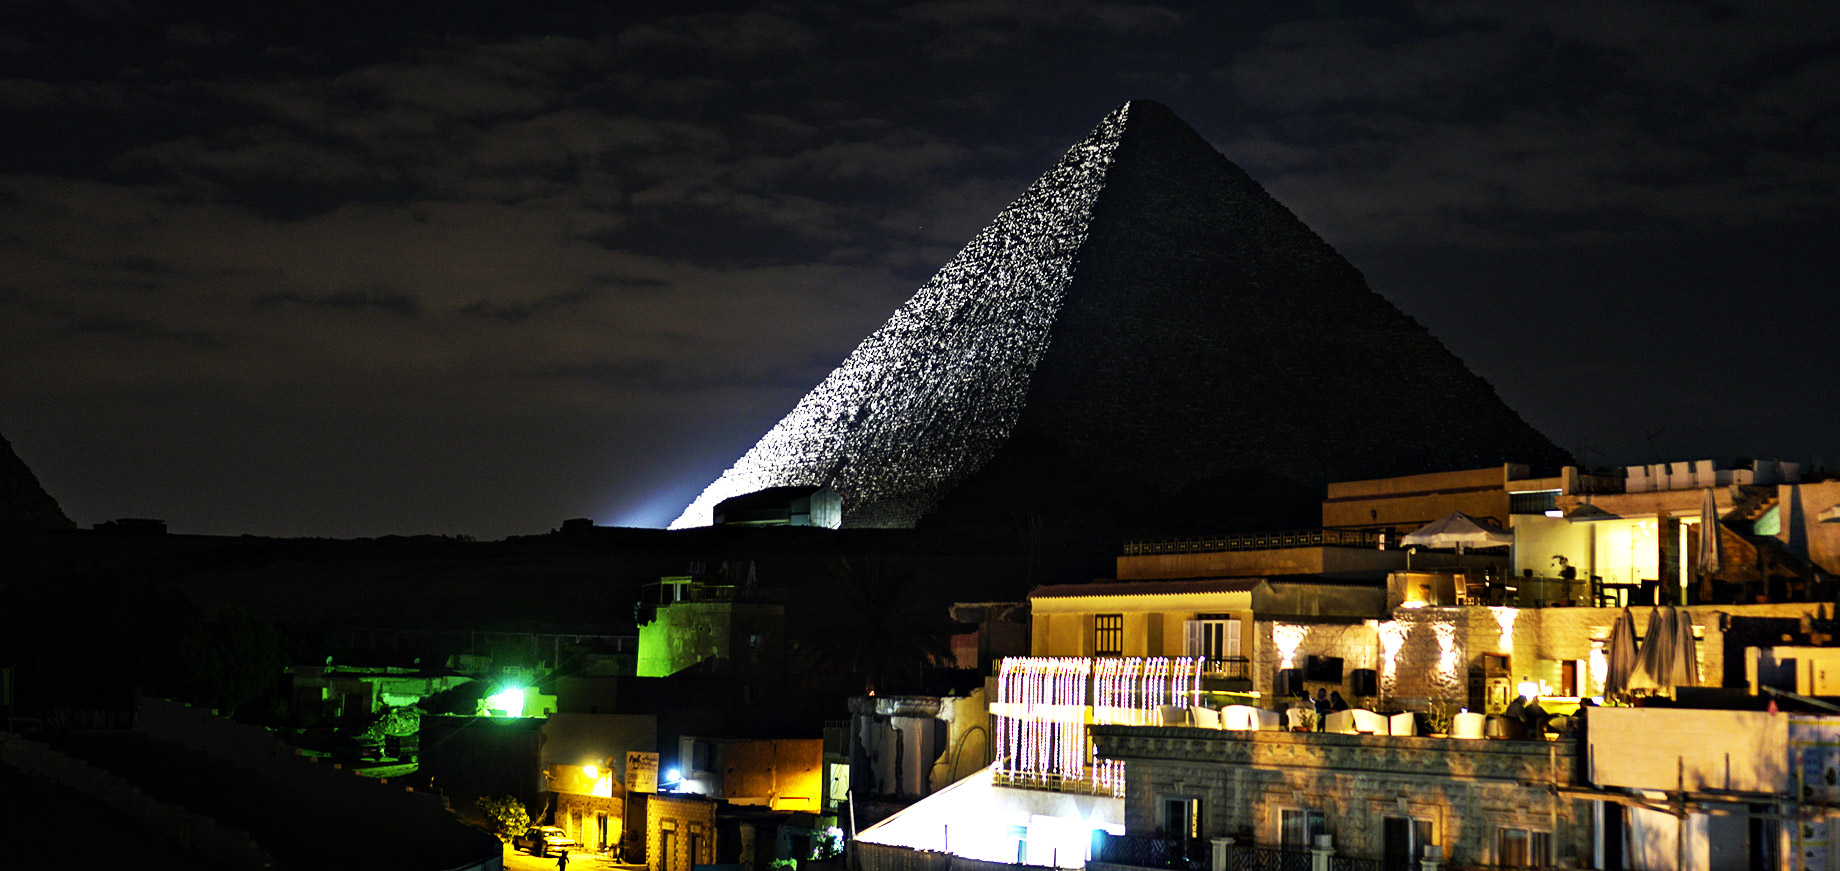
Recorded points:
(562, 860)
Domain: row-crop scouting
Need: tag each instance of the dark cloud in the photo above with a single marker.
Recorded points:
(378, 298)
(372, 247)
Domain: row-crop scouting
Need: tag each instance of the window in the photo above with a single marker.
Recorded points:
(1213, 636)
(1405, 840)
(1522, 848)
(1108, 635)
(1182, 818)
(1298, 827)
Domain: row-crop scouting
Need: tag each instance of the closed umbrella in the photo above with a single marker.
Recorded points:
(1708, 559)
(1620, 653)
(1686, 658)
(1655, 667)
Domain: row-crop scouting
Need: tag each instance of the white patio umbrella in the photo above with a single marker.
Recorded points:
(1620, 653)
(1458, 530)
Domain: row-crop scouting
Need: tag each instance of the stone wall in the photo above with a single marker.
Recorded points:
(1244, 780)
(1356, 643)
(676, 819)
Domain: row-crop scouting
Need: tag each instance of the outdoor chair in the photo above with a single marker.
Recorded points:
(1173, 715)
(1468, 724)
(1206, 718)
(1245, 718)
(1370, 722)
(1402, 724)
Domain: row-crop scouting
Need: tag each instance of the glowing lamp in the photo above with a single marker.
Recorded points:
(510, 700)
(591, 772)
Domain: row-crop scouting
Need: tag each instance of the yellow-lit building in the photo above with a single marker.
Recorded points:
(1209, 618)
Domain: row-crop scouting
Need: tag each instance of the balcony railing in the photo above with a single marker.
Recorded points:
(1143, 852)
(1229, 667)
(1361, 538)
(1176, 854)
(1246, 857)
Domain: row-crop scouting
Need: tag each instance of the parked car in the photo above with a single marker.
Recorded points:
(542, 840)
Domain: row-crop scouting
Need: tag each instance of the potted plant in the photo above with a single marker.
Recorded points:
(1438, 718)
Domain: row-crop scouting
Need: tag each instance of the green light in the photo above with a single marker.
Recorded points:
(510, 700)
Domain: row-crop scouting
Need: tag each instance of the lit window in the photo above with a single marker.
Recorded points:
(1212, 636)
(1108, 636)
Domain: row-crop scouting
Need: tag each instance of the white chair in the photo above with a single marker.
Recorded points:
(1173, 715)
(1339, 722)
(1240, 718)
(1206, 718)
(1402, 724)
(1468, 724)
(1266, 721)
(1297, 718)
(1370, 722)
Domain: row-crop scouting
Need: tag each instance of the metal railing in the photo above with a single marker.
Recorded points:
(1362, 538)
(1230, 667)
(1245, 857)
(1144, 852)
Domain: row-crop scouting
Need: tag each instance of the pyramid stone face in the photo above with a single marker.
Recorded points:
(1143, 318)
(931, 395)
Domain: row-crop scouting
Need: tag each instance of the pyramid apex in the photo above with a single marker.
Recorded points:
(1143, 323)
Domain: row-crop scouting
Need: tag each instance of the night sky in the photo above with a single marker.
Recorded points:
(353, 269)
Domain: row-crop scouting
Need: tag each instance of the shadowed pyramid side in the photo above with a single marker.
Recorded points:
(1210, 333)
(926, 399)
(24, 504)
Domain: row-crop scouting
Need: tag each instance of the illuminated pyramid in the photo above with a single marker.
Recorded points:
(1143, 320)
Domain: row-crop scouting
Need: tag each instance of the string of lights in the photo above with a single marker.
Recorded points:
(1044, 705)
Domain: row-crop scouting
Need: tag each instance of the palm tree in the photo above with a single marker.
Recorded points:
(863, 621)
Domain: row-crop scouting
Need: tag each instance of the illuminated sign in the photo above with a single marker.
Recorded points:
(641, 771)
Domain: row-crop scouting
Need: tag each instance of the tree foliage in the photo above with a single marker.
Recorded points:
(866, 622)
(233, 661)
(506, 816)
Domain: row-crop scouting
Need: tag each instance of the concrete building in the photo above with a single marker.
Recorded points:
(1394, 506)
(782, 774)
(584, 759)
(782, 506)
(723, 629)
(680, 832)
